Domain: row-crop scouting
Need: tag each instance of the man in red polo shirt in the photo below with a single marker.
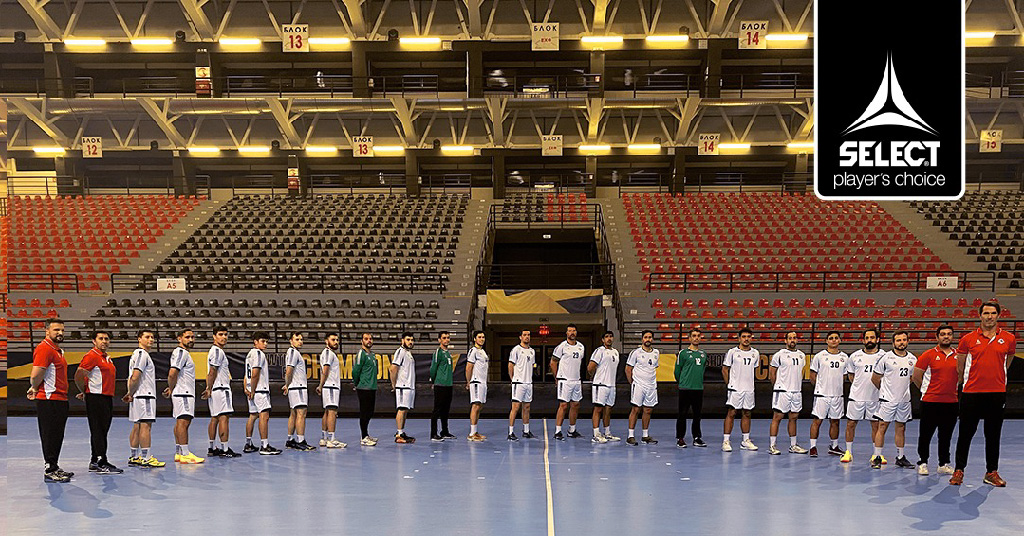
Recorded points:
(936, 375)
(982, 359)
(49, 388)
(95, 380)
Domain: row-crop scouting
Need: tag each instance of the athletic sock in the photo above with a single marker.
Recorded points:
(323, 434)
(607, 430)
(223, 446)
(248, 440)
(632, 432)
(472, 429)
(572, 428)
(264, 443)
(211, 443)
(849, 446)
(330, 436)
(177, 449)
(746, 437)
(558, 429)
(144, 453)
(878, 451)
(401, 431)
(526, 427)
(792, 441)
(726, 438)
(511, 430)
(834, 443)
(814, 443)
(899, 452)
(301, 438)
(135, 452)
(185, 451)
(597, 432)
(771, 440)
(645, 433)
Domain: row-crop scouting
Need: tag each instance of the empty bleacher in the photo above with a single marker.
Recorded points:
(539, 207)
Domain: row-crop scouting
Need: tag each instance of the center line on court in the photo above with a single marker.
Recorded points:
(547, 478)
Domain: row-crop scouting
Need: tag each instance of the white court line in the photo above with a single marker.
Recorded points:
(547, 479)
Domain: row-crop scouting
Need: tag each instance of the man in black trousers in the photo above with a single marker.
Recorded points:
(49, 388)
(95, 380)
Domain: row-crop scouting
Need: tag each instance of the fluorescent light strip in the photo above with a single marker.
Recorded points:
(594, 148)
(457, 149)
(48, 150)
(254, 149)
(420, 41)
(388, 149)
(601, 39)
(203, 150)
(239, 41)
(655, 147)
(151, 42)
(85, 42)
(321, 149)
(979, 35)
(667, 38)
(787, 37)
(329, 41)
(799, 145)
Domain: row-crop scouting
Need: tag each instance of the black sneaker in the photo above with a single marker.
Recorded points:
(109, 469)
(269, 451)
(631, 441)
(835, 451)
(228, 453)
(302, 445)
(575, 434)
(529, 435)
(559, 436)
(436, 438)
(902, 461)
(291, 444)
(650, 440)
(214, 453)
(56, 475)
(249, 448)
(698, 442)
(876, 462)
(68, 474)
(681, 443)
(512, 437)
(447, 435)
(94, 467)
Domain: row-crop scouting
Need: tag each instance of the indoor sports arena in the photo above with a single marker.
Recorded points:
(559, 267)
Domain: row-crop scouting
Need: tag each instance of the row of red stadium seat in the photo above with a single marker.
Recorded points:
(830, 313)
(823, 303)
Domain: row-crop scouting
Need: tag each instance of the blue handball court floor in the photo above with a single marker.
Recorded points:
(531, 487)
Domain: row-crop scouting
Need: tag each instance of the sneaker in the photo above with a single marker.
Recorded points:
(681, 443)
(290, 444)
(903, 462)
(813, 452)
(476, 438)
(367, 442)
(797, 449)
(992, 478)
(436, 438)
(302, 445)
(134, 460)
(773, 450)
(94, 467)
(847, 457)
(698, 442)
(835, 451)
(55, 476)
(726, 446)
(598, 439)
(249, 448)
(575, 434)
(884, 461)
(191, 459)
(269, 451)
(152, 462)
(957, 478)
(559, 436)
(876, 462)
(649, 440)
(631, 441)
(374, 439)
(68, 474)
(529, 435)
(177, 458)
(748, 445)
(323, 442)
(214, 453)
(512, 437)
(922, 469)
(402, 438)
(108, 469)
(228, 453)
(448, 435)
(335, 444)
(611, 437)
(945, 469)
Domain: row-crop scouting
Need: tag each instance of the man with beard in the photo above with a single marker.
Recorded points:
(642, 376)
(863, 394)
(218, 394)
(403, 383)
(603, 366)
(364, 375)
(330, 392)
(441, 375)
(257, 390)
(935, 374)
(141, 397)
(95, 378)
(181, 389)
(476, 381)
(827, 369)
(891, 376)
(738, 372)
(787, 376)
(565, 365)
(520, 369)
(298, 395)
(49, 388)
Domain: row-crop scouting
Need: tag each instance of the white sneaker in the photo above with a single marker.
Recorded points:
(945, 469)
(368, 442)
(922, 469)
(611, 437)
(772, 449)
(748, 445)
(323, 442)
(598, 439)
(726, 446)
(335, 444)
(797, 449)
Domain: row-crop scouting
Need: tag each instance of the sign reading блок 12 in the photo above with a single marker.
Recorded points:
(886, 116)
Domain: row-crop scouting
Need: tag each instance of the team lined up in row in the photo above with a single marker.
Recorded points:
(880, 390)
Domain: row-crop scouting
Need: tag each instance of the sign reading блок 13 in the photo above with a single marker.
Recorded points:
(889, 108)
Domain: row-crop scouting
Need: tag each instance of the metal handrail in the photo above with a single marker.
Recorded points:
(822, 281)
(55, 282)
(523, 276)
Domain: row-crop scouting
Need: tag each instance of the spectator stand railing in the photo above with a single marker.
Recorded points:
(284, 282)
(815, 281)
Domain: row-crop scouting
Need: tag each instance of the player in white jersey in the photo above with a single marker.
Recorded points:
(295, 389)
(141, 397)
(403, 383)
(520, 369)
(565, 364)
(476, 382)
(603, 366)
(828, 368)
(257, 390)
(218, 395)
(863, 394)
(786, 372)
(892, 375)
(181, 389)
(330, 391)
(738, 371)
(642, 375)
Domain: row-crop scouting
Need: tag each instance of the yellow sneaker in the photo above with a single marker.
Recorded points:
(192, 459)
(884, 461)
(177, 458)
(151, 462)
(847, 457)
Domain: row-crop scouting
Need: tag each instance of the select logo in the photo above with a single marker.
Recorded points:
(892, 149)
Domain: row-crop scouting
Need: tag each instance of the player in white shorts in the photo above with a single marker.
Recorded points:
(141, 398)
(330, 391)
(642, 376)
(863, 394)
(738, 371)
(218, 395)
(603, 366)
(828, 368)
(520, 368)
(403, 383)
(476, 382)
(565, 364)
(786, 373)
(298, 395)
(892, 375)
(181, 389)
(257, 391)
